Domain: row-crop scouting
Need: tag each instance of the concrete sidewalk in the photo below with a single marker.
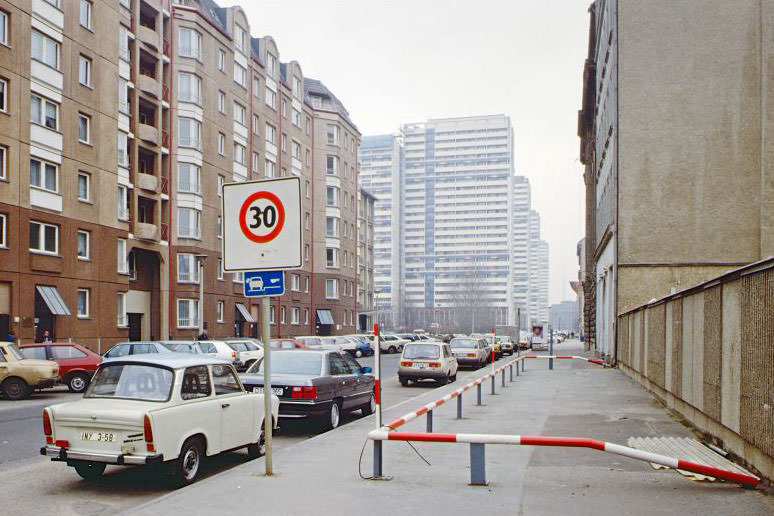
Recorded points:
(320, 475)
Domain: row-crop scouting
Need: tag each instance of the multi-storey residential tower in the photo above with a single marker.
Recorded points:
(365, 260)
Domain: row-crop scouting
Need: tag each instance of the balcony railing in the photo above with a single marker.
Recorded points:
(165, 93)
(165, 139)
(165, 232)
(165, 185)
(166, 47)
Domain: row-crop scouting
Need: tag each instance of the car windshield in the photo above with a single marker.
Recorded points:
(463, 343)
(132, 381)
(178, 348)
(15, 352)
(295, 362)
(429, 351)
(237, 346)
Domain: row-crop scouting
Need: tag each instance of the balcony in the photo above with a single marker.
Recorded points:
(147, 182)
(149, 85)
(144, 231)
(148, 36)
(148, 133)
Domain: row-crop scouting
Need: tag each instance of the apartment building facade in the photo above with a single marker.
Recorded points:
(455, 234)
(365, 261)
(678, 168)
(140, 111)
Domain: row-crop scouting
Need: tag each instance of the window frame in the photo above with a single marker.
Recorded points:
(87, 256)
(44, 56)
(5, 25)
(42, 171)
(196, 49)
(122, 318)
(193, 310)
(87, 118)
(189, 166)
(43, 118)
(86, 175)
(122, 201)
(89, 9)
(122, 259)
(219, 310)
(3, 231)
(194, 90)
(334, 282)
(42, 238)
(4, 150)
(82, 59)
(193, 276)
(198, 219)
(87, 312)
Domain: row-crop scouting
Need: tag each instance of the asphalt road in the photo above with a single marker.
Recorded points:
(59, 489)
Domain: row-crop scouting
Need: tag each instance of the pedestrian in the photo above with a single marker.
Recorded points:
(46, 336)
(11, 337)
(203, 335)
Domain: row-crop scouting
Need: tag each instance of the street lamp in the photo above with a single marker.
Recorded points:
(200, 264)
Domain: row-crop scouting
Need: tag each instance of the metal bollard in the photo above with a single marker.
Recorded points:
(478, 464)
(523, 363)
(503, 378)
(377, 459)
(511, 370)
(459, 406)
(493, 380)
(478, 394)
(429, 421)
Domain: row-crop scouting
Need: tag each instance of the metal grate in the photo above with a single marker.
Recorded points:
(685, 448)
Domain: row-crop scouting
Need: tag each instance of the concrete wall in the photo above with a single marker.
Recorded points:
(707, 353)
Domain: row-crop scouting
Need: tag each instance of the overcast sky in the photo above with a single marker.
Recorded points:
(399, 61)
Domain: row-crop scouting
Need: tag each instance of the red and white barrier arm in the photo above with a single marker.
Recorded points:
(568, 442)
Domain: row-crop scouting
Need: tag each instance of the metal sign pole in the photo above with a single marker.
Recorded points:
(267, 418)
(493, 350)
(378, 375)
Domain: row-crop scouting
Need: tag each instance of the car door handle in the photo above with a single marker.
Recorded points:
(225, 405)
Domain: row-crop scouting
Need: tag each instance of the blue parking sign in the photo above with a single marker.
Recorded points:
(264, 283)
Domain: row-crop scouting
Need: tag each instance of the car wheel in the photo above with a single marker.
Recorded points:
(333, 418)
(454, 377)
(90, 470)
(258, 449)
(16, 389)
(370, 407)
(392, 349)
(444, 380)
(358, 353)
(189, 461)
(404, 382)
(78, 382)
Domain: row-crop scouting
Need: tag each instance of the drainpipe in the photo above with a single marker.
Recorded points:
(312, 312)
(170, 182)
(278, 317)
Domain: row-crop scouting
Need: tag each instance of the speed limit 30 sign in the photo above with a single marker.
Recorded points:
(262, 225)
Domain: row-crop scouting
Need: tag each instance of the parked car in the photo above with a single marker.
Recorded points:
(76, 363)
(408, 336)
(506, 344)
(353, 345)
(219, 349)
(286, 344)
(19, 375)
(427, 361)
(470, 351)
(392, 343)
(316, 383)
(248, 351)
(172, 408)
(136, 348)
(314, 342)
(181, 346)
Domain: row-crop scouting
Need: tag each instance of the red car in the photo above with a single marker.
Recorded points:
(286, 344)
(76, 363)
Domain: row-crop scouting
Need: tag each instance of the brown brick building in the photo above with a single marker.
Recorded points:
(140, 110)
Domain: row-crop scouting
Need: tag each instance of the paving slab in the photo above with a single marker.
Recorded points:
(322, 475)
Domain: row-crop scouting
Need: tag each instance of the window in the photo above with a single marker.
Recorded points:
(123, 155)
(297, 118)
(308, 157)
(123, 96)
(3, 27)
(123, 320)
(332, 198)
(219, 272)
(307, 188)
(83, 244)
(123, 263)
(189, 43)
(44, 175)
(85, 14)
(271, 98)
(219, 311)
(84, 70)
(269, 134)
(123, 43)
(222, 60)
(332, 163)
(3, 94)
(187, 268)
(256, 162)
(44, 112)
(240, 75)
(306, 316)
(306, 284)
(294, 315)
(84, 128)
(271, 66)
(188, 176)
(188, 132)
(123, 203)
(132, 267)
(220, 227)
(271, 314)
(221, 180)
(221, 102)
(256, 86)
(187, 313)
(270, 168)
(3, 229)
(295, 282)
(332, 132)
(256, 122)
(188, 223)
(282, 315)
(306, 252)
(221, 144)
(189, 87)
(296, 150)
(45, 49)
(331, 289)
(83, 303)
(239, 153)
(196, 383)
(44, 238)
(332, 257)
(284, 142)
(308, 125)
(306, 220)
(240, 38)
(331, 226)
(284, 109)
(240, 114)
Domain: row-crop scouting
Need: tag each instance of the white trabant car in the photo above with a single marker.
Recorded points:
(174, 408)
(427, 360)
(470, 351)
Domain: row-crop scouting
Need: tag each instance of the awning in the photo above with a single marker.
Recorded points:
(242, 309)
(324, 317)
(53, 300)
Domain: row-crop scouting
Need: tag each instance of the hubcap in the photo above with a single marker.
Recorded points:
(77, 383)
(190, 463)
(335, 415)
(14, 389)
(373, 403)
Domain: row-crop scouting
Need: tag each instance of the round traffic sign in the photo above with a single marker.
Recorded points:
(261, 217)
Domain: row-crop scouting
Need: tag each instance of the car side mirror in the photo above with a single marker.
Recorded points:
(365, 369)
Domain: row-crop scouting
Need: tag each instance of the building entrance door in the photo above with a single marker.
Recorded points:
(135, 326)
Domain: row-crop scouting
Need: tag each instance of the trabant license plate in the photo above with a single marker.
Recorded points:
(103, 437)
(277, 391)
(421, 365)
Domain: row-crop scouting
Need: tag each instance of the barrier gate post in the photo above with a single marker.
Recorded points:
(478, 464)
(459, 406)
(478, 394)
(378, 402)
(551, 348)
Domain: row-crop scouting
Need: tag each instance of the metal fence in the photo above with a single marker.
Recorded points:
(708, 352)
